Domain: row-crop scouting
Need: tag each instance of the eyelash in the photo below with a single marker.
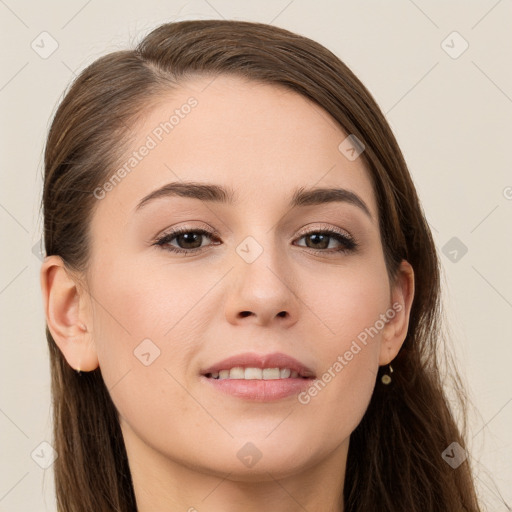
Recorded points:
(348, 243)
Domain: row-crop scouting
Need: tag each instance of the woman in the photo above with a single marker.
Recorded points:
(242, 292)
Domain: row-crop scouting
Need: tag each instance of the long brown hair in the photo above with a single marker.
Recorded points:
(395, 458)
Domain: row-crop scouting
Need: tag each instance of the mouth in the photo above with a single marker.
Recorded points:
(253, 373)
(252, 366)
(260, 378)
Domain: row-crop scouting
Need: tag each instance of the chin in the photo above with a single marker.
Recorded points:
(251, 461)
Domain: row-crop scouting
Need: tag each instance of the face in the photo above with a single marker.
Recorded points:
(252, 274)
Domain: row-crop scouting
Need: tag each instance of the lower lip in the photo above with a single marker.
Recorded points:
(260, 390)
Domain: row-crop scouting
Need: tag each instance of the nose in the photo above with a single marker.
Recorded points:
(263, 291)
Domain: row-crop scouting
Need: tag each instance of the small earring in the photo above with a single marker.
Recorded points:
(78, 371)
(386, 379)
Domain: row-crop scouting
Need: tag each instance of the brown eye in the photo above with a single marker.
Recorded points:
(188, 240)
(320, 240)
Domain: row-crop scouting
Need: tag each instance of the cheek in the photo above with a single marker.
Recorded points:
(347, 300)
(136, 302)
(351, 307)
(147, 323)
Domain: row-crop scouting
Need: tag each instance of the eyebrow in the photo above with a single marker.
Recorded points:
(219, 194)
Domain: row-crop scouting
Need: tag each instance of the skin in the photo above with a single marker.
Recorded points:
(182, 437)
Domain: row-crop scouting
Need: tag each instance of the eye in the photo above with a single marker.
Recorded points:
(190, 241)
(320, 241)
(190, 238)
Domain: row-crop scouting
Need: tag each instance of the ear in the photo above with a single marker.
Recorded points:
(67, 315)
(395, 330)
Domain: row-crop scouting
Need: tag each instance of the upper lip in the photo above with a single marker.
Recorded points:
(253, 360)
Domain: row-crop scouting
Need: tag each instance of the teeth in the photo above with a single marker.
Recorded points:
(285, 373)
(271, 373)
(255, 373)
(237, 373)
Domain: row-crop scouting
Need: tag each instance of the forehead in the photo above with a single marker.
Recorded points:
(262, 141)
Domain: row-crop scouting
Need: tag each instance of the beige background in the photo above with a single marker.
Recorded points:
(451, 116)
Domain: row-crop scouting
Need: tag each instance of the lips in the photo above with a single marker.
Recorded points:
(253, 360)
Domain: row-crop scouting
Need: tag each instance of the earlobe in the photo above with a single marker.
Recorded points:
(63, 306)
(395, 331)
